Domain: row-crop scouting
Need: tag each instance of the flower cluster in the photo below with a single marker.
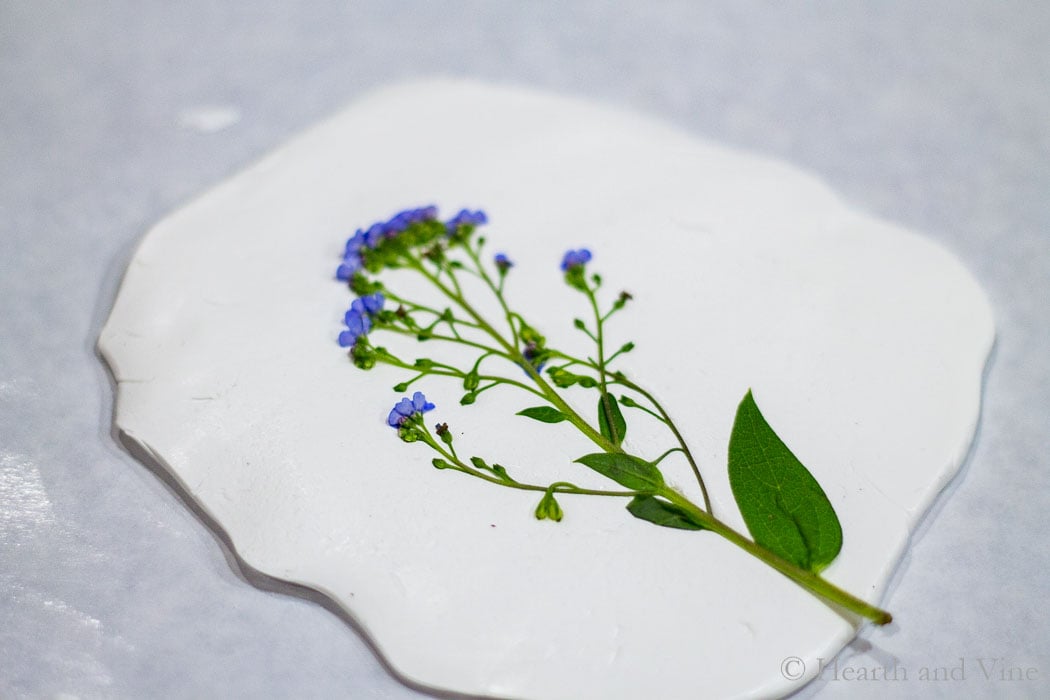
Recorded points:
(406, 408)
(364, 239)
(358, 318)
(575, 258)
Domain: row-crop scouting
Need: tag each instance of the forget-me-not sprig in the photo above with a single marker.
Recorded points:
(500, 348)
(406, 408)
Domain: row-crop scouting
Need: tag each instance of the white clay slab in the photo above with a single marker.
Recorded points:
(864, 345)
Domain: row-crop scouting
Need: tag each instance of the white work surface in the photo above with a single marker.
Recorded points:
(113, 114)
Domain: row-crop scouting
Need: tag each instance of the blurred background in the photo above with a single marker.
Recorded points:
(112, 114)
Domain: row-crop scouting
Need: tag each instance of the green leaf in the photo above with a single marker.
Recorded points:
(783, 506)
(627, 470)
(562, 378)
(610, 419)
(544, 414)
(660, 512)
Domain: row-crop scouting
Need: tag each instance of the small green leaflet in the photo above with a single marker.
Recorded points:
(783, 506)
(609, 417)
(660, 512)
(544, 414)
(633, 472)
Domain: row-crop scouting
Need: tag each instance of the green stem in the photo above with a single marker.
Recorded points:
(559, 487)
(413, 306)
(805, 578)
(652, 413)
(624, 381)
(602, 373)
(453, 372)
(450, 339)
(515, 356)
(496, 290)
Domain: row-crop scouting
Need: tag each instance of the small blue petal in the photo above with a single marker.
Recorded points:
(346, 339)
(374, 234)
(356, 323)
(373, 304)
(354, 245)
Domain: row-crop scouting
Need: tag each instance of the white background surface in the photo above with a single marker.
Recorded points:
(112, 114)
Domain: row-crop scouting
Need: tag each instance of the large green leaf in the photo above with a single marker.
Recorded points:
(633, 472)
(610, 419)
(783, 506)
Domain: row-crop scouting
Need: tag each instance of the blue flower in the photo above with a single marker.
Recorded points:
(503, 262)
(407, 408)
(351, 257)
(349, 267)
(357, 326)
(375, 234)
(466, 217)
(574, 258)
(372, 303)
(355, 244)
(358, 318)
(403, 219)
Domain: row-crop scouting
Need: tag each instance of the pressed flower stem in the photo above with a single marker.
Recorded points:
(803, 577)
